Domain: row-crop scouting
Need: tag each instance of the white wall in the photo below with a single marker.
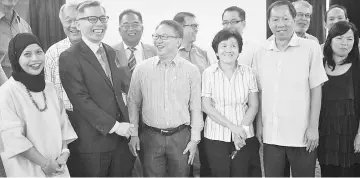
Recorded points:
(208, 15)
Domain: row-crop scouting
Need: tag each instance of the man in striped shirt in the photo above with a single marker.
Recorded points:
(67, 17)
(167, 89)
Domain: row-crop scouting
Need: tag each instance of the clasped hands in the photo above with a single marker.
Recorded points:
(125, 129)
(239, 136)
(57, 166)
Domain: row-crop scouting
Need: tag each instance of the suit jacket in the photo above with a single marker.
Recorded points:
(122, 61)
(97, 102)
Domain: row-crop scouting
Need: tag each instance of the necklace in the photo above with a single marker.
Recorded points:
(36, 105)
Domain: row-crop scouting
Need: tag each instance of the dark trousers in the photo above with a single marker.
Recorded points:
(116, 163)
(245, 164)
(302, 163)
(163, 155)
(337, 171)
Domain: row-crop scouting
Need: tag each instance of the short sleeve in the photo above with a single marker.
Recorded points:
(317, 74)
(206, 83)
(253, 88)
(67, 131)
(12, 130)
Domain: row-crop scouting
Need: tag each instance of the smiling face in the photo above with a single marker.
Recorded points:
(343, 44)
(32, 59)
(281, 22)
(131, 28)
(233, 22)
(189, 32)
(228, 51)
(94, 32)
(302, 19)
(68, 20)
(166, 46)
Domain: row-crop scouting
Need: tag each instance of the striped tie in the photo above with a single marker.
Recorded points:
(132, 60)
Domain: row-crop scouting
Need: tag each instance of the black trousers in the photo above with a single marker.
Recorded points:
(338, 171)
(302, 162)
(245, 164)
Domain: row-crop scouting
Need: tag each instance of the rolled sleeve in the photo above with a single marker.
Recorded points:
(68, 132)
(197, 122)
(12, 131)
(252, 81)
(206, 83)
(317, 74)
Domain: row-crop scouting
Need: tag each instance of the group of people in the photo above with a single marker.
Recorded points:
(84, 108)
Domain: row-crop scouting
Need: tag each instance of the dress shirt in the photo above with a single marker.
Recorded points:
(94, 48)
(52, 69)
(230, 98)
(195, 55)
(248, 51)
(285, 79)
(138, 53)
(8, 30)
(168, 95)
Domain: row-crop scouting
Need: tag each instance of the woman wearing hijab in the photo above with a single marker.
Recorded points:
(339, 141)
(34, 127)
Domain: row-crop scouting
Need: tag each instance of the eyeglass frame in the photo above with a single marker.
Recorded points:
(232, 22)
(162, 37)
(301, 15)
(127, 26)
(97, 19)
(193, 26)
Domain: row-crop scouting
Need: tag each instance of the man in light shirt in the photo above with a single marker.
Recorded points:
(234, 19)
(166, 89)
(302, 20)
(290, 74)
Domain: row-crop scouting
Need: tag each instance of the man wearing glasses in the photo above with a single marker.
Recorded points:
(188, 50)
(167, 90)
(233, 19)
(302, 19)
(94, 86)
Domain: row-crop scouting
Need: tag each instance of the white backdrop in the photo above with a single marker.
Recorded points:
(208, 15)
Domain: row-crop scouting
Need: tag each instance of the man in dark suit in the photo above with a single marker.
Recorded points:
(94, 85)
(131, 51)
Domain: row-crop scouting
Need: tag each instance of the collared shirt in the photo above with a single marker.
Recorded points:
(169, 95)
(8, 30)
(52, 69)
(139, 55)
(230, 98)
(195, 55)
(285, 79)
(248, 51)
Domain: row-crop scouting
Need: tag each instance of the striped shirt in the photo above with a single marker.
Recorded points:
(52, 69)
(230, 98)
(195, 55)
(169, 95)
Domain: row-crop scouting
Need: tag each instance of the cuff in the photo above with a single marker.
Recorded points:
(116, 125)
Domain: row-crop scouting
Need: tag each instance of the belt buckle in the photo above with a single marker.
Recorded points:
(164, 132)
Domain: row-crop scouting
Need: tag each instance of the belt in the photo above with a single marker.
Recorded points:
(166, 132)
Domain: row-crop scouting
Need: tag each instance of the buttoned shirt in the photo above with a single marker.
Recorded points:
(168, 95)
(195, 55)
(52, 69)
(229, 97)
(138, 53)
(8, 30)
(285, 78)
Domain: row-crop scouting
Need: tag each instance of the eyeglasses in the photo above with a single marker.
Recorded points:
(94, 19)
(130, 25)
(193, 26)
(233, 22)
(163, 37)
(299, 15)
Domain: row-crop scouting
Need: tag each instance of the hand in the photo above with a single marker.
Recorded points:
(238, 130)
(238, 142)
(61, 161)
(311, 138)
(134, 145)
(191, 148)
(51, 168)
(124, 129)
(357, 144)
(259, 132)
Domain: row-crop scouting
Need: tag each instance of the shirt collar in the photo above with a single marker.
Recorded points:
(217, 66)
(138, 46)
(182, 48)
(294, 41)
(15, 17)
(175, 61)
(93, 46)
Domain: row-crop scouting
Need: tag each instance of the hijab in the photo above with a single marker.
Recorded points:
(34, 83)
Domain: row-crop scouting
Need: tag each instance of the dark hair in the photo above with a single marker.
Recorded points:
(281, 3)
(223, 35)
(180, 17)
(130, 11)
(240, 11)
(333, 7)
(338, 29)
(176, 26)
(89, 3)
